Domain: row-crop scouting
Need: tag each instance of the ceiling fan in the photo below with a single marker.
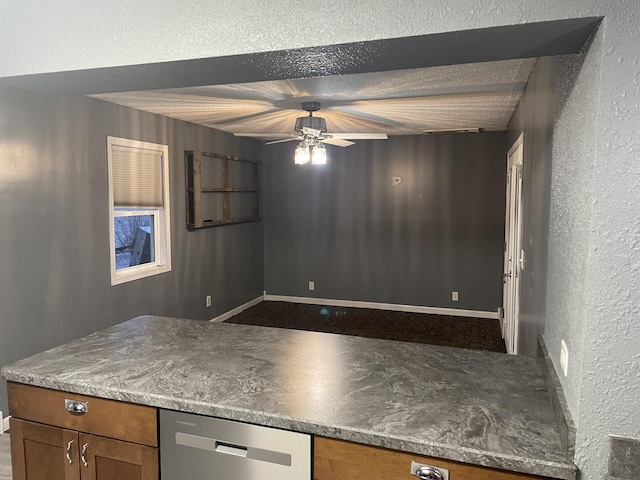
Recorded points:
(312, 131)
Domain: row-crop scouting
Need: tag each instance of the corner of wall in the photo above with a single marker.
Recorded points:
(564, 419)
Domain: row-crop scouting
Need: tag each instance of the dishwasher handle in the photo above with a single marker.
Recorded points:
(231, 449)
(236, 450)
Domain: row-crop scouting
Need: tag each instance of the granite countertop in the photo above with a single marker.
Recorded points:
(475, 407)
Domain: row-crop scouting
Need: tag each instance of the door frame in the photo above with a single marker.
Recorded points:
(513, 252)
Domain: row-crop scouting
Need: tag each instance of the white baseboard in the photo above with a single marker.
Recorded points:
(237, 310)
(383, 306)
(5, 423)
(357, 304)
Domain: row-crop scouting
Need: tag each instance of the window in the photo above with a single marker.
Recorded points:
(139, 223)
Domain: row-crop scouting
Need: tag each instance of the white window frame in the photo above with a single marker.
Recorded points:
(161, 218)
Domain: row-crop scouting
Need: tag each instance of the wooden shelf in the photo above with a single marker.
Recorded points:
(223, 190)
(235, 184)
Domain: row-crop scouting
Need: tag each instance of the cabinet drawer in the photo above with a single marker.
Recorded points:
(340, 460)
(107, 418)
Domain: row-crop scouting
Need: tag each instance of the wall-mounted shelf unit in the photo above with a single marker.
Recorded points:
(221, 190)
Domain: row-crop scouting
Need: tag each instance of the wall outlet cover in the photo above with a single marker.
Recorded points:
(312, 286)
(208, 301)
(564, 357)
(454, 296)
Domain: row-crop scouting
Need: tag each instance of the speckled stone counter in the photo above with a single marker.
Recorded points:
(475, 407)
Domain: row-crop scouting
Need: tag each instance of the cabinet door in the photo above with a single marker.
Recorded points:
(41, 452)
(108, 459)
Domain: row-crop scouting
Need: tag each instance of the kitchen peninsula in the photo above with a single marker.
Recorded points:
(478, 408)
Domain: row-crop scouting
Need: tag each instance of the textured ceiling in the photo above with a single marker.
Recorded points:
(480, 95)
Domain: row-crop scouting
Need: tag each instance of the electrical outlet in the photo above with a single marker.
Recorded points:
(564, 357)
(454, 296)
(208, 300)
(312, 285)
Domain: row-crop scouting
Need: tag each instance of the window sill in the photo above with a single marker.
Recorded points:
(134, 273)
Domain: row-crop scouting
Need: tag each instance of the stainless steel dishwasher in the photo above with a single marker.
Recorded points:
(195, 447)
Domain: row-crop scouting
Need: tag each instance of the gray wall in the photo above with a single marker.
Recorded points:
(65, 39)
(587, 288)
(574, 148)
(54, 240)
(345, 227)
(534, 115)
(593, 247)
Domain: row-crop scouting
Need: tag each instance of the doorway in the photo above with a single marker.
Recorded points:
(513, 252)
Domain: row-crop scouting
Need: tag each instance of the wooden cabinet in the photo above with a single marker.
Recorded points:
(114, 440)
(340, 460)
(39, 452)
(50, 443)
(109, 459)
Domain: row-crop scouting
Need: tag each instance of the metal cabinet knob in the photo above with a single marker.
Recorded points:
(74, 406)
(429, 473)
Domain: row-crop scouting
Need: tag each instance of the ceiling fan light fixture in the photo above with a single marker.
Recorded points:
(301, 155)
(319, 155)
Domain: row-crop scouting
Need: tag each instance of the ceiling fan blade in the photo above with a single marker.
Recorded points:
(337, 142)
(360, 136)
(282, 141)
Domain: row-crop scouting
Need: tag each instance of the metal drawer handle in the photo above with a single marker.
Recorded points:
(427, 472)
(69, 459)
(82, 455)
(74, 406)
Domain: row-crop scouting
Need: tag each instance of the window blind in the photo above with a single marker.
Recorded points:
(137, 177)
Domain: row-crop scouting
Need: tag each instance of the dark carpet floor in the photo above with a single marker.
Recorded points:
(462, 332)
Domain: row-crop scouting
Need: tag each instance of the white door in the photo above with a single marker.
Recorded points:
(513, 253)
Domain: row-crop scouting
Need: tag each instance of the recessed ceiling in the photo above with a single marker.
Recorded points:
(478, 95)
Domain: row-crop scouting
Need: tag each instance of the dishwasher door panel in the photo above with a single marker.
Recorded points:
(195, 447)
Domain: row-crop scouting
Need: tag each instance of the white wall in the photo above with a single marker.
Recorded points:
(79, 34)
(75, 34)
